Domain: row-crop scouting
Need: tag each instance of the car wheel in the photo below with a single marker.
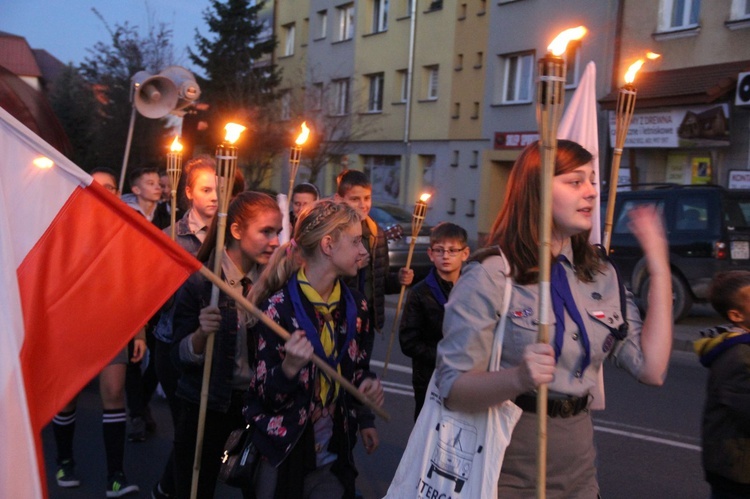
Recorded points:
(682, 301)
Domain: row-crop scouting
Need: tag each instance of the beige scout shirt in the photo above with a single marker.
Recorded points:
(473, 312)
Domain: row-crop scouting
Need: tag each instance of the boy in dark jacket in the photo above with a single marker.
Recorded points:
(422, 322)
(725, 350)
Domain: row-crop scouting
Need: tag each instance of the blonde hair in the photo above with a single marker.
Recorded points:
(322, 218)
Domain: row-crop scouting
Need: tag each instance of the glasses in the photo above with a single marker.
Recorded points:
(449, 252)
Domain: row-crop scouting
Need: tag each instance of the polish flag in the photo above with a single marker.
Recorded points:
(80, 274)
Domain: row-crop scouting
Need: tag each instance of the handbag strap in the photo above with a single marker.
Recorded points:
(497, 350)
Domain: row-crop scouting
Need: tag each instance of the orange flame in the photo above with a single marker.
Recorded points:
(652, 55)
(302, 137)
(632, 70)
(560, 43)
(233, 132)
(424, 197)
(43, 162)
(176, 146)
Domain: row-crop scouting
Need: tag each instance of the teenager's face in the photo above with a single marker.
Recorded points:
(742, 317)
(105, 180)
(166, 187)
(147, 187)
(573, 198)
(203, 195)
(260, 237)
(454, 254)
(348, 251)
(301, 200)
(359, 198)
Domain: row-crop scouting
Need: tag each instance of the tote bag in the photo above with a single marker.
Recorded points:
(454, 454)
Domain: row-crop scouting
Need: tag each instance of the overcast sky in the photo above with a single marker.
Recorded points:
(66, 29)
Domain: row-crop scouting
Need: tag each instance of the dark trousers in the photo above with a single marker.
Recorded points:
(218, 427)
(168, 376)
(140, 386)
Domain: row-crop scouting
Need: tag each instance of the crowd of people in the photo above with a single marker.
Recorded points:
(326, 287)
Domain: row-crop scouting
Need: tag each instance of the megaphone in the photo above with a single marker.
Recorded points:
(188, 90)
(155, 96)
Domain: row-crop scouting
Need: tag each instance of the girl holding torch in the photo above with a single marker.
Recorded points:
(306, 423)
(591, 323)
(252, 227)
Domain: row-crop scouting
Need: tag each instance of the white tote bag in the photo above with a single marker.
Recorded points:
(455, 454)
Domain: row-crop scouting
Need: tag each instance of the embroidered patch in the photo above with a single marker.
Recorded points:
(596, 296)
(608, 343)
(599, 314)
(518, 314)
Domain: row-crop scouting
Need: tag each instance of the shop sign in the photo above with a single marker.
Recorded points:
(739, 179)
(514, 140)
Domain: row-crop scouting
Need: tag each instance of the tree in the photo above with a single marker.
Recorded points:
(240, 81)
(108, 70)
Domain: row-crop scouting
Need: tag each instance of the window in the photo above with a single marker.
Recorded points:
(287, 32)
(403, 84)
(479, 61)
(431, 77)
(286, 105)
(385, 175)
(679, 14)
(517, 81)
(459, 62)
(475, 112)
(474, 159)
(375, 101)
(316, 97)
(322, 23)
(428, 169)
(379, 15)
(346, 22)
(452, 206)
(454, 163)
(462, 12)
(740, 9)
(472, 208)
(340, 101)
(572, 64)
(482, 7)
(456, 110)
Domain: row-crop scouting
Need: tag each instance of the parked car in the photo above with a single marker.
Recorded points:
(397, 223)
(708, 230)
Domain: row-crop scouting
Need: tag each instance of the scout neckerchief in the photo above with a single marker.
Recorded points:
(432, 283)
(369, 234)
(323, 342)
(562, 298)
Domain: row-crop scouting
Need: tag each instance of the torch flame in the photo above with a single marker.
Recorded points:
(176, 146)
(632, 70)
(233, 132)
(652, 55)
(43, 162)
(302, 137)
(560, 43)
(424, 197)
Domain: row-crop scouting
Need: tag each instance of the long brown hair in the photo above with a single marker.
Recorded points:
(243, 208)
(324, 217)
(516, 229)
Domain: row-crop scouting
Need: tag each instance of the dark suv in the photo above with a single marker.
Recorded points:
(708, 228)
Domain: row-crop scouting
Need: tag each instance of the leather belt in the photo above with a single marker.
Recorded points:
(556, 408)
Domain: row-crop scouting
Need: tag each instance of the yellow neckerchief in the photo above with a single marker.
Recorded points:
(373, 233)
(328, 335)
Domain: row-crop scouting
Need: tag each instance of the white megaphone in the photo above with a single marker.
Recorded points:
(188, 90)
(155, 96)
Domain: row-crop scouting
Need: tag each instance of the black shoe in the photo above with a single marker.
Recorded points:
(157, 493)
(118, 486)
(66, 476)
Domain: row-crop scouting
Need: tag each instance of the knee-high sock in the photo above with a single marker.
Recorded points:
(113, 427)
(63, 427)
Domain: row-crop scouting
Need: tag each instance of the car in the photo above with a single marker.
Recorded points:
(708, 231)
(396, 221)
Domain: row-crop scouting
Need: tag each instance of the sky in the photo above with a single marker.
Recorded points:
(67, 28)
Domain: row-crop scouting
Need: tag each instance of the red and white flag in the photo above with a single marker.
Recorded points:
(80, 273)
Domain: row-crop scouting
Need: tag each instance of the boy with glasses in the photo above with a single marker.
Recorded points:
(422, 322)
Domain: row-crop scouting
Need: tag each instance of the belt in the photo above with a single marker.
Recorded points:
(556, 408)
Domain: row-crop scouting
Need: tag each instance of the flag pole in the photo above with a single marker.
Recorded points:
(417, 219)
(226, 167)
(550, 98)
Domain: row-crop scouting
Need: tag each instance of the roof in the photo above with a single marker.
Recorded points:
(49, 65)
(16, 55)
(683, 86)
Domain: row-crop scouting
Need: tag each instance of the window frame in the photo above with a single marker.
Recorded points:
(322, 19)
(432, 76)
(289, 39)
(690, 15)
(345, 22)
(340, 103)
(379, 16)
(519, 78)
(375, 92)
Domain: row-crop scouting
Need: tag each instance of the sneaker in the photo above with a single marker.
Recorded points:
(66, 476)
(118, 486)
(157, 493)
(137, 430)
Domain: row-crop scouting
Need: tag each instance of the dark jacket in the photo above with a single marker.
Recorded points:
(280, 408)
(726, 417)
(383, 281)
(422, 327)
(194, 295)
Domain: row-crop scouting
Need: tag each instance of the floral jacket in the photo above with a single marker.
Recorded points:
(280, 408)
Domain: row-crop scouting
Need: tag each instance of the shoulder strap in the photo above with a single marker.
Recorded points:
(497, 350)
(622, 332)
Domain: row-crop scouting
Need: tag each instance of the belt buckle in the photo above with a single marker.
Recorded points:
(566, 408)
